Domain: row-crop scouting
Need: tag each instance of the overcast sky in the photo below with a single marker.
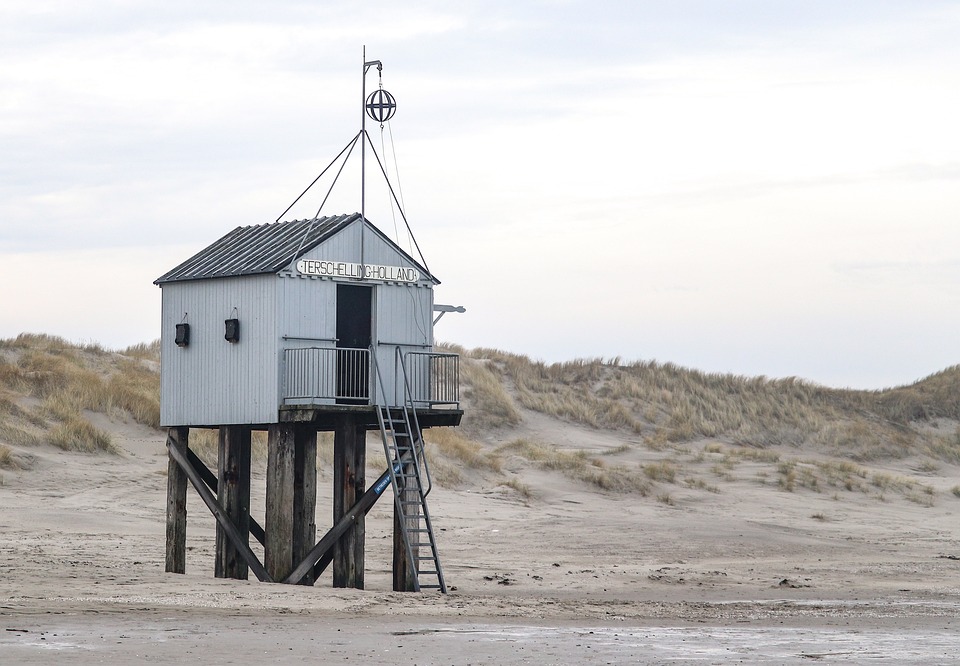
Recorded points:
(738, 186)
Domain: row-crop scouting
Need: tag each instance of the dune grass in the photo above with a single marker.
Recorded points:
(68, 380)
(7, 459)
(78, 434)
(718, 422)
(486, 401)
(53, 370)
(669, 404)
(455, 446)
(579, 466)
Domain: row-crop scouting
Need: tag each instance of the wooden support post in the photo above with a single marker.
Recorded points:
(321, 555)
(349, 463)
(404, 572)
(278, 523)
(304, 496)
(177, 504)
(240, 543)
(210, 481)
(233, 493)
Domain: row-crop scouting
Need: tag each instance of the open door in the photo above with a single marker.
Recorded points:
(354, 335)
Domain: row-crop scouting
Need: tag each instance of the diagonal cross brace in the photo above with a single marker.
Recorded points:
(321, 554)
(229, 528)
(211, 480)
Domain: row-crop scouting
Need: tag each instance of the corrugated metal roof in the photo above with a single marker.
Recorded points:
(264, 248)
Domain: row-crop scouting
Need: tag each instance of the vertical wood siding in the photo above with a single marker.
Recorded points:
(212, 381)
(404, 318)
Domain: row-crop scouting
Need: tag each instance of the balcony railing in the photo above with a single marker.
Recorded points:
(326, 373)
(331, 374)
(432, 378)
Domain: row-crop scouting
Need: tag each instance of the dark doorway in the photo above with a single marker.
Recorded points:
(354, 335)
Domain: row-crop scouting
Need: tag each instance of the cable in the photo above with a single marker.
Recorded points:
(396, 169)
(322, 203)
(393, 214)
(405, 222)
(332, 162)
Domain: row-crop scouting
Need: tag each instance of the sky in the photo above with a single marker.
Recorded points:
(744, 186)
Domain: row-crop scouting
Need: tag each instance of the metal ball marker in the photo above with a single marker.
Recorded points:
(381, 105)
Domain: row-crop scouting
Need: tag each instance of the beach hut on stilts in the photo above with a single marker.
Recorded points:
(294, 328)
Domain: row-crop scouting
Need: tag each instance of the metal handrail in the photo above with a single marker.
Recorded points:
(326, 373)
(442, 383)
(408, 400)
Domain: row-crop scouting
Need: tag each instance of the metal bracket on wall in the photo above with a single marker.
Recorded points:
(444, 309)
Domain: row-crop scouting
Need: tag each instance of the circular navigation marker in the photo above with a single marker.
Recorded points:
(381, 105)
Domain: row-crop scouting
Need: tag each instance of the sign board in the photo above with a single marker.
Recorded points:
(343, 269)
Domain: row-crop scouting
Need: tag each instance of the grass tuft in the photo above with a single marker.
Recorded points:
(78, 434)
(578, 466)
(460, 450)
(661, 471)
(522, 488)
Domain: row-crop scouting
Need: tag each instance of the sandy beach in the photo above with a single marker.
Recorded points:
(569, 575)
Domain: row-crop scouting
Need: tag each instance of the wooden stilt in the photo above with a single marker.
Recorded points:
(233, 493)
(321, 555)
(304, 496)
(210, 480)
(278, 523)
(177, 504)
(349, 462)
(241, 544)
(404, 571)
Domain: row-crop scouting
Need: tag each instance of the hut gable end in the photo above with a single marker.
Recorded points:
(380, 254)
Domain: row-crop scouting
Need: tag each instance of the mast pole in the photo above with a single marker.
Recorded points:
(363, 158)
(363, 147)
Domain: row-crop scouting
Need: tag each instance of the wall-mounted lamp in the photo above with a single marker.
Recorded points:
(231, 330)
(183, 335)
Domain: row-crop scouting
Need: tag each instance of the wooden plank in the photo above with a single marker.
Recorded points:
(194, 476)
(278, 523)
(233, 464)
(349, 461)
(209, 478)
(304, 495)
(176, 558)
(322, 553)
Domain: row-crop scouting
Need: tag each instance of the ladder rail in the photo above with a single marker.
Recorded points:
(385, 435)
(409, 407)
(408, 404)
(402, 459)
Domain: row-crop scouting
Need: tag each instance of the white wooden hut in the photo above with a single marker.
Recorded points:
(278, 317)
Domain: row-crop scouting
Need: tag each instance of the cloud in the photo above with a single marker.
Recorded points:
(717, 183)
